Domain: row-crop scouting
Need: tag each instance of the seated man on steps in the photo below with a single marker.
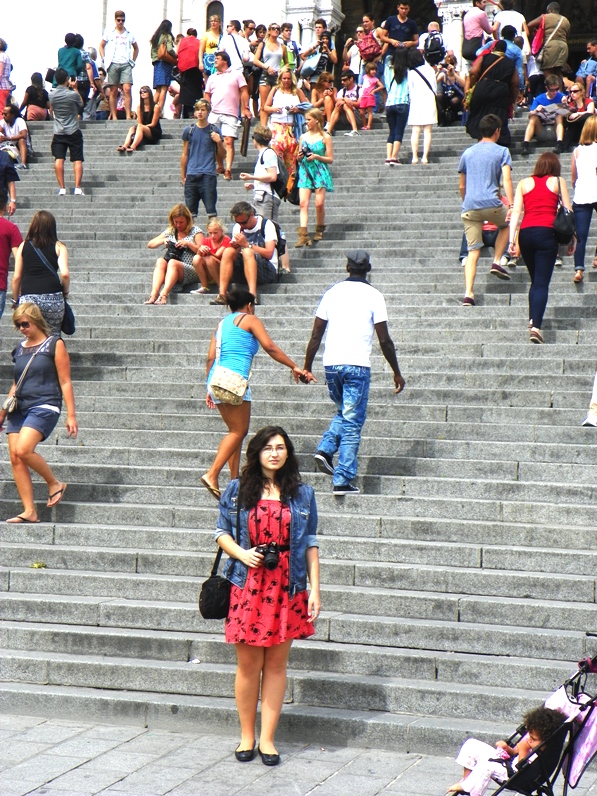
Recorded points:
(544, 124)
(347, 103)
(252, 257)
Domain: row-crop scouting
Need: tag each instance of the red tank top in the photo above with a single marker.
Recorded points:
(540, 205)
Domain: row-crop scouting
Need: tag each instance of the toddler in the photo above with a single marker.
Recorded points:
(482, 763)
(371, 85)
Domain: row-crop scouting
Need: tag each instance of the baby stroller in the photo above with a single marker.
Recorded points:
(571, 748)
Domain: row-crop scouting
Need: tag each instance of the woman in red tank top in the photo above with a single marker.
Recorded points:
(537, 198)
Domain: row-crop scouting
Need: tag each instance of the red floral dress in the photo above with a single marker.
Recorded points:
(261, 613)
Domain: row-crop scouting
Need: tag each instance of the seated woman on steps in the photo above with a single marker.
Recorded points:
(174, 269)
(148, 129)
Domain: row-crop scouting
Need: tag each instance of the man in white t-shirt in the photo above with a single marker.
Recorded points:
(252, 256)
(349, 311)
(237, 47)
(13, 134)
(119, 50)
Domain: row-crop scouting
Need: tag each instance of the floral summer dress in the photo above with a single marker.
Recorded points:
(314, 174)
(261, 613)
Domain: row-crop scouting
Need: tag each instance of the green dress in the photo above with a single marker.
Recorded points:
(314, 174)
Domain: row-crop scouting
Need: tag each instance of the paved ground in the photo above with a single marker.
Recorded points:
(65, 758)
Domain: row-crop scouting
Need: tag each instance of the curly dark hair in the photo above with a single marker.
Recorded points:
(543, 721)
(252, 480)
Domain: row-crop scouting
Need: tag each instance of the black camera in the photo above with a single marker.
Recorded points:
(270, 553)
(172, 253)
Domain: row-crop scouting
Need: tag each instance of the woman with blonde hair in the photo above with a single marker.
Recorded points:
(323, 95)
(269, 57)
(209, 44)
(315, 156)
(174, 269)
(41, 274)
(281, 106)
(209, 255)
(584, 182)
(581, 108)
(41, 382)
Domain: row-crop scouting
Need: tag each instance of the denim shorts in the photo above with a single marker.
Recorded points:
(42, 420)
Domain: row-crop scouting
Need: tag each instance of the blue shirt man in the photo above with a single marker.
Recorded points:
(201, 142)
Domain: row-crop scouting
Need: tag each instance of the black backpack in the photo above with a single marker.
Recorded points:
(434, 50)
(280, 239)
(280, 186)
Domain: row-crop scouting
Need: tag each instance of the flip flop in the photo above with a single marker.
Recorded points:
(213, 490)
(59, 493)
(161, 300)
(150, 301)
(19, 518)
(120, 148)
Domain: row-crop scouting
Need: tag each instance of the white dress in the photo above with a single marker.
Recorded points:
(423, 109)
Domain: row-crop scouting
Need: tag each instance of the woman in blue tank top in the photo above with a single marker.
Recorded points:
(241, 335)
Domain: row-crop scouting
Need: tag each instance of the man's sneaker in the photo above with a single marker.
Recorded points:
(499, 271)
(62, 192)
(559, 147)
(526, 148)
(346, 489)
(590, 420)
(78, 192)
(324, 462)
(559, 262)
(351, 134)
(22, 166)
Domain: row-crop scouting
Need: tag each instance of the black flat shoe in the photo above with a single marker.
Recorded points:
(245, 756)
(269, 760)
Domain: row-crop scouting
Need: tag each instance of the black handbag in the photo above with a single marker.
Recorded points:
(563, 224)
(470, 47)
(68, 320)
(214, 597)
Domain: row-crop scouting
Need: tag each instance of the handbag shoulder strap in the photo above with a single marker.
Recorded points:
(426, 81)
(489, 67)
(218, 558)
(218, 342)
(554, 31)
(44, 259)
(236, 47)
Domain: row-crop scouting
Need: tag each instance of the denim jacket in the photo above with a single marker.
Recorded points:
(303, 530)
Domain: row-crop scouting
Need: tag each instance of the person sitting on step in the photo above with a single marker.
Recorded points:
(347, 103)
(544, 121)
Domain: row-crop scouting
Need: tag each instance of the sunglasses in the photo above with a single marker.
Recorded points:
(22, 324)
(119, 19)
(274, 27)
(575, 91)
(242, 220)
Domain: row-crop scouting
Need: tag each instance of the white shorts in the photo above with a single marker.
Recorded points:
(229, 125)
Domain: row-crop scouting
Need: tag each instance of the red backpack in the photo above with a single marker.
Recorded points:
(369, 47)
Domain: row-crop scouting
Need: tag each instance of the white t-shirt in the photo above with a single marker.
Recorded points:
(267, 159)
(10, 131)
(517, 20)
(585, 190)
(121, 44)
(355, 59)
(283, 100)
(351, 308)
(233, 44)
(269, 234)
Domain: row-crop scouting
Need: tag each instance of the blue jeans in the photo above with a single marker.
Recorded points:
(397, 116)
(582, 221)
(348, 387)
(201, 186)
(2, 301)
(539, 249)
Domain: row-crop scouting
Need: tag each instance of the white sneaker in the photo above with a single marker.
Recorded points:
(559, 262)
(78, 192)
(351, 134)
(62, 192)
(590, 420)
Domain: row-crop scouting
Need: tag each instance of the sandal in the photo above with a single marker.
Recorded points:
(202, 290)
(578, 276)
(56, 496)
(161, 300)
(150, 300)
(130, 150)
(227, 174)
(220, 300)
(121, 149)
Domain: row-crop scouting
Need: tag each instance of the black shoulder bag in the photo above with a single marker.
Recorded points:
(563, 223)
(214, 597)
(68, 321)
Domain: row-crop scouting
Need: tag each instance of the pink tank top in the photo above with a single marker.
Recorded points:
(540, 205)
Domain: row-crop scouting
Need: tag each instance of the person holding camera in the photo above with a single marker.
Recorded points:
(450, 91)
(268, 570)
(174, 269)
(66, 105)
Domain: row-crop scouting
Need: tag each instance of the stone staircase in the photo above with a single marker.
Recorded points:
(458, 589)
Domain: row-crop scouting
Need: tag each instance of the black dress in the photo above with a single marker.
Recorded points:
(492, 94)
(156, 132)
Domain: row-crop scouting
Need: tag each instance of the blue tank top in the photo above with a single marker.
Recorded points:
(238, 347)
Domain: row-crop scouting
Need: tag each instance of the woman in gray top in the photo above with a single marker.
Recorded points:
(269, 56)
(44, 360)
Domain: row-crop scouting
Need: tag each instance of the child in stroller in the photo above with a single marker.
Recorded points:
(483, 763)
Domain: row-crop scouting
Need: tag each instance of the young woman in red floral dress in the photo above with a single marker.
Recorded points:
(269, 602)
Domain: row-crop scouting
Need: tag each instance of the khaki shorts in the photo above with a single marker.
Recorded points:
(473, 221)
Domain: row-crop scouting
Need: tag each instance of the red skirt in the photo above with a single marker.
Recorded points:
(261, 613)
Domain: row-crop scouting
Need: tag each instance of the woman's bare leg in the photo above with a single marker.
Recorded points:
(246, 690)
(320, 206)
(174, 274)
(273, 688)
(305, 198)
(22, 457)
(237, 419)
(263, 93)
(426, 142)
(159, 274)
